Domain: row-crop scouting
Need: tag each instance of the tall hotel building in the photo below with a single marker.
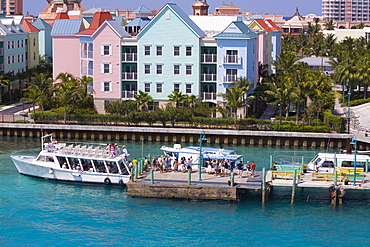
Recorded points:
(12, 7)
(346, 10)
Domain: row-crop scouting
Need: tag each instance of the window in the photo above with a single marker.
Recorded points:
(188, 88)
(159, 69)
(188, 51)
(231, 56)
(147, 50)
(176, 69)
(159, 50)
(106, 50)
(176, 50)
(34, 56)
(159, 87)
(147, 69)
(106, 68)
(34, 42)
(107, 86)
(188, 69)
(147, 87)
(176, 87)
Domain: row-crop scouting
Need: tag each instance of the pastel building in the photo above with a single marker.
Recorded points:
(170, 52)
(32, 44)
(45, 39)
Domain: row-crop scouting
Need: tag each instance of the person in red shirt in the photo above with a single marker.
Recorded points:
(253, 168)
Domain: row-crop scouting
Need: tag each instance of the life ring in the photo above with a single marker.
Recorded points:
(107, 181)
(121, 183)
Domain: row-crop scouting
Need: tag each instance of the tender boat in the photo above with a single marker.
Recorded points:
(326, 162)
(193, 152)
(79, 162)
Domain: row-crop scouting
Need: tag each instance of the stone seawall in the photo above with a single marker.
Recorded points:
(183, 135)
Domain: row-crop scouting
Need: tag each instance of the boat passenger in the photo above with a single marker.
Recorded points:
(64, 166)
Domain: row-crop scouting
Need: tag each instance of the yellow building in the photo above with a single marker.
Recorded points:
(32, 56)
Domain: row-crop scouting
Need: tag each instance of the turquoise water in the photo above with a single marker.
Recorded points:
(37, 212)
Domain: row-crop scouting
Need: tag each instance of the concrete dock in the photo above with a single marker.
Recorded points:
(176, 185)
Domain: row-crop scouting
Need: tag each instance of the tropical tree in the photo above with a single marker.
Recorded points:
(329, 25)
(142, 100)
(177, 98)
(4, 82)
(66, 91)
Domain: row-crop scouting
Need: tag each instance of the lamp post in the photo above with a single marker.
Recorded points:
(343, 84)
(354, 142)
(349, 108)
(201, 139)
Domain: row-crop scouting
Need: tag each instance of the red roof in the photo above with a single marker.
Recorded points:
(29, 27)
(98, 19)
(263, 25)
(274, 26)
(62, 15)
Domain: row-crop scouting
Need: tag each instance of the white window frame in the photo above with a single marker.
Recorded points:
(157, 86)
(103, 50)
(147, 48)
(176, 52)
(103, 86)
(103, 67)
(159, 50)
(176, 69)
(186, 50)
(145, 69)
(186, 88)
(186, 69)
(147, 86)
(178, 84)
(157, 67)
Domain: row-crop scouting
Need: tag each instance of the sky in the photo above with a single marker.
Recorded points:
(285, 7)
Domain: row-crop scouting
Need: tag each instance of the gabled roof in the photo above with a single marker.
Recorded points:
(273, 25)
(66, 27)
(237, 29)
(181, 14)
(41, 24)
(142, 9)
(29, 27)
(4, 30)
(262, 24)
(115, 26)
(98, 19)
(138, 22)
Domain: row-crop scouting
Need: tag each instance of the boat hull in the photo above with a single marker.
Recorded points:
(26, 166)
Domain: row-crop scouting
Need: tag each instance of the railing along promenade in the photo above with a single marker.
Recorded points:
(185, 135)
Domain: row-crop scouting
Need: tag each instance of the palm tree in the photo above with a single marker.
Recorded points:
(4, 82)
(9, 76)
(34, 96)
(192, 100)
(84, 96)
(142, 100)
(329, 25)
(177, 97)
(66, 91)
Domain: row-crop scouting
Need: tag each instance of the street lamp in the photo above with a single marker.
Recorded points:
(349, 108)
(201, 139)
(354, 142)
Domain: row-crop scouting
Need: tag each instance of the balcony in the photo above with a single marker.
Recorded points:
(86, 71)
(87, 54)
(128, 94)
(230, 78)
(1, 51)
(129, 57)
(2, 67)
(232, 59)
(209, 77)
(128, 76)
(209, 96)
(209, 58)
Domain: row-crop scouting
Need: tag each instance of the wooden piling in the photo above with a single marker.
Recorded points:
(293, 186)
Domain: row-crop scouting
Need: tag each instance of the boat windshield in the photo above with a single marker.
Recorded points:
(123, 168)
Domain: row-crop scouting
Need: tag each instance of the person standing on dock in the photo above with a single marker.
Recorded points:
(253, 168)
(240, 167)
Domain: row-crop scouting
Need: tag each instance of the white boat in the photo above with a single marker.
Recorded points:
(193, 152)
(79, 162)
(326, 162)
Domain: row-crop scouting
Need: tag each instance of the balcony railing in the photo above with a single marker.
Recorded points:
(1, 51)
(230, 78)
(209, 58)
(2, 67)
(87, 54)
(209, 77)
(232, 59)
(209, 96)
(128, 94)
(129, 76)
(86, 71)
(129, 57)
